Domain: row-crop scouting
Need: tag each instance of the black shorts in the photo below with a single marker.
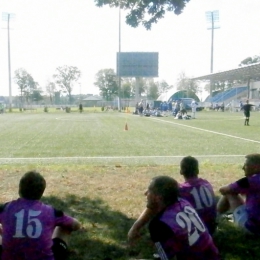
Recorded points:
(247, 114)
(59, 249)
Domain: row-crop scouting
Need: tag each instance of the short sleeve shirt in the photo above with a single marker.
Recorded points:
(200, 194)
(250, 187)
(27, 229)
(178, 231)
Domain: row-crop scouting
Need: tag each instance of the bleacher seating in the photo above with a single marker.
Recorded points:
(227, 95)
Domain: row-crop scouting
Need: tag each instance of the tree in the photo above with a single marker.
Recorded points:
(185, 83)
(143, 84)
(107, 83)
(126, 89)
(26, 84)
(36, 95)
(152, 92)
(50, 90)
(163, 87)
(145, 12)
(249, 60)
(66, 77)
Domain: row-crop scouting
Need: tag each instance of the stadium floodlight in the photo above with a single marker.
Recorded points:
(212, 18)
(7, 17)
(119, 51)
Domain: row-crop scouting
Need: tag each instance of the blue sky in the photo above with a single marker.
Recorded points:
(46, 34)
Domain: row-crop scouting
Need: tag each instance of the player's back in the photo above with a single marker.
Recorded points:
(199, 192)
(179, 232)
(28, 227)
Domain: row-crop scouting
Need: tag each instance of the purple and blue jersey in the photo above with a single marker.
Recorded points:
(200, 194)
(28, 226)
(179, 231)
(250, 187)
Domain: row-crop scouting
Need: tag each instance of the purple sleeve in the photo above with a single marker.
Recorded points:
(240, 186)
(65, 221)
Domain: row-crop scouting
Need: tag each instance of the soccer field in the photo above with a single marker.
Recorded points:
(97, 171)
(101, 138)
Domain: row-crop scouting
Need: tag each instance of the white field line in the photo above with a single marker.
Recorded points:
(139, 157)
(118, 157)
(208, 131)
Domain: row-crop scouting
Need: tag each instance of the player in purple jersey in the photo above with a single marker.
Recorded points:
(197, 191)
(246, 212)
(176, 229)
(32, 230)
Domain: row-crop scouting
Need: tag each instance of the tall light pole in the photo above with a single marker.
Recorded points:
(212, 19)
(119, 51)
(7, 17)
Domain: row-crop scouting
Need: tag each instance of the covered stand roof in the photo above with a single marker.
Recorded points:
(246, 72)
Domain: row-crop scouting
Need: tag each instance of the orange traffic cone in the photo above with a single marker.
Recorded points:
(126, 127)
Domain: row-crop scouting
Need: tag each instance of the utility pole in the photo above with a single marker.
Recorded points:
(7, 17)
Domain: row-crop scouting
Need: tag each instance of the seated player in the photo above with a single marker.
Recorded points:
(31, 229)
(197, 191)
(246, 212)
(176, 229)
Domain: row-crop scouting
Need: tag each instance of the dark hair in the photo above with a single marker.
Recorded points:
(253, 158)
(166, 187)
(189, 167)
(32, 186)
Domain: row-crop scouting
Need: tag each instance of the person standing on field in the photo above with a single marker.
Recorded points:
(247, 108)
(193, 108)
(80, 108)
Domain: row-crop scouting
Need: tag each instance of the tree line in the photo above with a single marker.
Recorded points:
(66, 77)
(64, 80)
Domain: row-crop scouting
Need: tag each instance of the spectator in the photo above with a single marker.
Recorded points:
(194, 106)
(182, 106)
(222, 107)
(246, 212)
(80, 108)
(141, 108)
(176, 229)
(240, 105)
(31, 229)
(170, 106)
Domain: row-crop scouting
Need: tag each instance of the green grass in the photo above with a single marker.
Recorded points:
(34, 135)
(98, 172)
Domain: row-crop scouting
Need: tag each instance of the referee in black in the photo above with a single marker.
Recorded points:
(247, 109)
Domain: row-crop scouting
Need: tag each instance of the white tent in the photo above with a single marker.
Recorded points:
(166, 96)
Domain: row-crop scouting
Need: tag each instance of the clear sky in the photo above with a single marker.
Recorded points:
(46, 34)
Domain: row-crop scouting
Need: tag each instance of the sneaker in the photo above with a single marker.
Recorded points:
(156, 257)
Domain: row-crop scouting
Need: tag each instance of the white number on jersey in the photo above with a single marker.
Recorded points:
(32, 224)
(203, 197)
(190, 220)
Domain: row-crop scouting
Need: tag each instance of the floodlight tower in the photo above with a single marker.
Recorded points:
(119, 51)
(213, 19)
(7, 17)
